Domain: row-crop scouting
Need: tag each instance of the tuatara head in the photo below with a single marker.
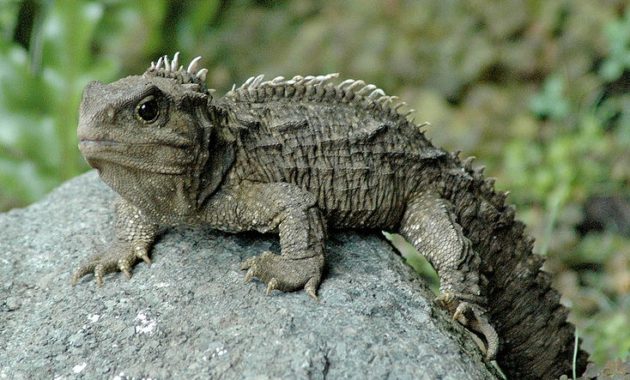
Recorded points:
(149, 137)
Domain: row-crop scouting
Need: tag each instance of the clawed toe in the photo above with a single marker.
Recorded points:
(285, 274)
(82, 271)
(474, 319)
(249, 276)
(246, 264)
(271, 285)
(121, 257)
(146, 259)
(311, 288)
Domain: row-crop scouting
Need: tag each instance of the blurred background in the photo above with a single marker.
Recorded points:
(537, 90)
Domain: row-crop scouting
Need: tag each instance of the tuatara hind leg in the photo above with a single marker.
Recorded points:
(430, 225)
(134, 237)
(292, 212)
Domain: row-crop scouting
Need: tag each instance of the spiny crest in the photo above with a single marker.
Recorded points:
(321, 88)
(497, 198)
(172, 69)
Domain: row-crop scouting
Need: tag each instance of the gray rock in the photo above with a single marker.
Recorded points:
(191, 316)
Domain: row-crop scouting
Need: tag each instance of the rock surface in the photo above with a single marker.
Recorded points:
(191, 316)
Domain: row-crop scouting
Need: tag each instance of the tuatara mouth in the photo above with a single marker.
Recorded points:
(105, 143)
(87, 143)
(91, 147)
(150, 157)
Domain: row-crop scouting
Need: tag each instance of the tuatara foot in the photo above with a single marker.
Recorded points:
(285, 273)
(473, 318)
(121, 256)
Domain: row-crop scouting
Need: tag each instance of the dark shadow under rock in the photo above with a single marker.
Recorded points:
(191, 316)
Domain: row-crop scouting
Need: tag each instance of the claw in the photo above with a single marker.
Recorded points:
(146, 259)
(272, 285)
(82, 271)
(284, 274)
(311, 288)
(247, 263)
(98, 275)
(121, 258)
(249, 275)
(459, 315)
(445, 300)
(126, 272)
(472, 317)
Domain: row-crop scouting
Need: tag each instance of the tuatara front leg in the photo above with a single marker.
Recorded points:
(134, 237)
(290, 211)
(430, 225)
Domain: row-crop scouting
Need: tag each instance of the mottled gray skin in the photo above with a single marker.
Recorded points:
(296, 157)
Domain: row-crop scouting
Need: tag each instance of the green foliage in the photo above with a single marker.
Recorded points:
(618, 59)
(39, 97)
(537, 89)
(565, 168)
(416, 261)
(602, 293)
(551, 102)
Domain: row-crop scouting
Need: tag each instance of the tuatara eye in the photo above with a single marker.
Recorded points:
(148, 109)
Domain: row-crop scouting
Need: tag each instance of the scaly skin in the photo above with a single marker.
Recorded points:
(297, 157)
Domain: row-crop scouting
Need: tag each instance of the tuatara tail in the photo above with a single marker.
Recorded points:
(536, 341)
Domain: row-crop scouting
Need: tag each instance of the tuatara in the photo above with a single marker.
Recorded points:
(301, 156)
